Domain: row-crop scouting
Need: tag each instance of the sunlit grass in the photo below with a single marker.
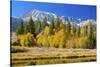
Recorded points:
(36, 56)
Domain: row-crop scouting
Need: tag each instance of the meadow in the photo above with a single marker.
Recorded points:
(40, 56)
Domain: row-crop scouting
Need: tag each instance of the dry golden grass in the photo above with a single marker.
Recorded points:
(52, 56)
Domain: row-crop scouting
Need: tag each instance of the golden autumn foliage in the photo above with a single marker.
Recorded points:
(42, 38)
(61, 39)
(63, 36)
(27, 40)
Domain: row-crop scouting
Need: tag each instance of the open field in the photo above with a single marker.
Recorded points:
(37, 56)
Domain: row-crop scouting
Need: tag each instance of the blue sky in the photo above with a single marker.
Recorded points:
(76, 11)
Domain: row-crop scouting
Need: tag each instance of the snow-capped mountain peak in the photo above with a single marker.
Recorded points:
(41, 14)
(38, 14)
(83, 23)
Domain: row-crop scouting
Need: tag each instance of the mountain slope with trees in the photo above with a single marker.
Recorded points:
(58, 33)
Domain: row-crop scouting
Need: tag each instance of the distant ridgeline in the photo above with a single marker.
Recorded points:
(45, 29)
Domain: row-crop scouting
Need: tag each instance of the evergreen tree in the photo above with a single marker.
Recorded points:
(52, 22)
(30, 26)
(20, 28)
(85, 30)
(57, 22)
(51, 25)
(37, 26)
(68, 27)
(44, 23)
(90, 36)
(62, 25)
(73, 30)
(78, 31)
(89, 28)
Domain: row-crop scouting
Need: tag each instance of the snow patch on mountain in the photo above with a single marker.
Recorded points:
(38, 14)
(83, 23)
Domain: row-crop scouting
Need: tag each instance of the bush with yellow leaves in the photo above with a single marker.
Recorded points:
(42, 38)
(27, 40)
